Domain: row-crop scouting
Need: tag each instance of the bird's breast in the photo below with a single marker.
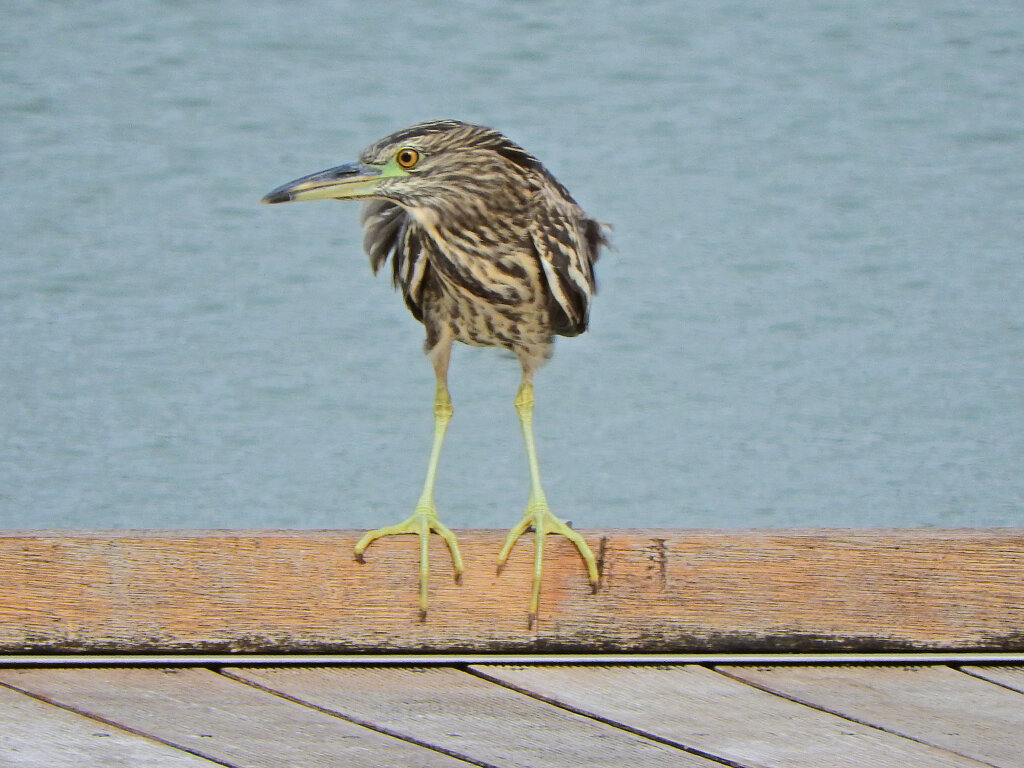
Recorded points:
(473, 265)
(488, 294)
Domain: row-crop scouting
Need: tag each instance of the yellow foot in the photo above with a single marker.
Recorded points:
(423, 522)
(538, 517)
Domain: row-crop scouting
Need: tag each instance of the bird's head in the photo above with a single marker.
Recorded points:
(432, 170)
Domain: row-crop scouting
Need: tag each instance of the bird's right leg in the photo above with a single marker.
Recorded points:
(424, 519)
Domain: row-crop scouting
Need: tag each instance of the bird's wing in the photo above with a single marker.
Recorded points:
(567, 244)
(391, 232)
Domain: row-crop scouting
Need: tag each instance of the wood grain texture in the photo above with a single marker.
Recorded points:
(34, 734)
(221, 719)
(1010, 677)
(701, 709)
(936, 704)
(469, 717)
(662, 591)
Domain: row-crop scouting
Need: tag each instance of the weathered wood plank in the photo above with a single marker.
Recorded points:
(1011, 677)
(34, 734)
(469, 717)
(936, 704)
(222, 719)
(704, 710)
(667, 591)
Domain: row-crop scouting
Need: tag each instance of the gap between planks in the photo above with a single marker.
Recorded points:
(443, 660)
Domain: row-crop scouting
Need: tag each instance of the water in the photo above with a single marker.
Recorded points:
(814, 314)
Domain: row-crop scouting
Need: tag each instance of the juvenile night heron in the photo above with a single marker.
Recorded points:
(488, 249)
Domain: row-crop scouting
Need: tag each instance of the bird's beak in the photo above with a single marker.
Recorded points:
(349, 181)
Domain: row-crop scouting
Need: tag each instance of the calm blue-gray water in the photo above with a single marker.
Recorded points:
(814, 315)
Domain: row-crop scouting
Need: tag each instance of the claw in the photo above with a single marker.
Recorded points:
(422, 523)
(541, 521)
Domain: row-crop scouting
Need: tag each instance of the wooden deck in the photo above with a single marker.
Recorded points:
(313, 660)
(514, 715)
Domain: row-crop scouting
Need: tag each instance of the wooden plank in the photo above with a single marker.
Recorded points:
(221, 719)
(1011, 677)
(468, 717)
(34, 734)
(710, 712)
(936, 705)
(667, 591)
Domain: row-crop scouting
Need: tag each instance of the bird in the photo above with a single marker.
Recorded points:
(488, 249)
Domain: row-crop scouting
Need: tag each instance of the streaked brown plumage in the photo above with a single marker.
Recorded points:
(493, 251)
(488, 249)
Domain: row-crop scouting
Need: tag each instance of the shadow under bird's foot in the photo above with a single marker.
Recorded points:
(422, 523)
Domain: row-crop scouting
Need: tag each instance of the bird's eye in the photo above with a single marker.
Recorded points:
(407, 158)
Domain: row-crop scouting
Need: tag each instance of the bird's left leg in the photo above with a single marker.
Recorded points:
(424, 519)
(538, 514)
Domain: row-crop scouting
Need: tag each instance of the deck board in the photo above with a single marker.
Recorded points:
(469, 717)
(309, 717)
(221, 719)
(705, 710)
(35, 734)
(1011, 677)
(924, 703)
(661, 591)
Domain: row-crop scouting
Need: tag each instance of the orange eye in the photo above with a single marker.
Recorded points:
(407, 158)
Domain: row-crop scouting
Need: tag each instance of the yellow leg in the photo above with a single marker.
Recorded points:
(424, 520)
(538, 513)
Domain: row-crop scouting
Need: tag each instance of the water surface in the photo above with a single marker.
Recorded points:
(813, 315)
